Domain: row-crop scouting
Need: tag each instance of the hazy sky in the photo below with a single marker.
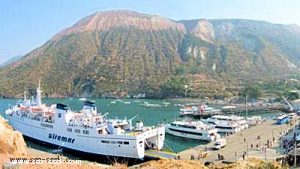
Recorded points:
(28, 24)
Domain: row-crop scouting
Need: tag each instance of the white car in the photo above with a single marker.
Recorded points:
(219, 144)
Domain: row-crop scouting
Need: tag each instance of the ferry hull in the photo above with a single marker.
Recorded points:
(77, 154)
(87, 131)
(82, 143)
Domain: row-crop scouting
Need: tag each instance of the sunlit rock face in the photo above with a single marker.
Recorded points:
(11, 142)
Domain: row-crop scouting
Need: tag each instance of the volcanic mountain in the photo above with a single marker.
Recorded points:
(125, 52)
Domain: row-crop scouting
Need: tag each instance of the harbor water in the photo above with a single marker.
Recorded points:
(163, 112)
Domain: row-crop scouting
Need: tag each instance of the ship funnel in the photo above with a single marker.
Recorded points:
(139, 125)
(89, 107)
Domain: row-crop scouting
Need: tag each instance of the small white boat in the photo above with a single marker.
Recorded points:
(150, 105)
(82, 99)
(119, 100)
(193, 129)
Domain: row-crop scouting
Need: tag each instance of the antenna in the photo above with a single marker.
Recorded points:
(25, 97)
(105, 114)
(130, 121)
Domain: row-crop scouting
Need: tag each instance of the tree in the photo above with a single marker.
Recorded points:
(292, 95)
(175, 86)
(252, 91)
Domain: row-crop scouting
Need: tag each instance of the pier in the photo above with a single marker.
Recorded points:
(245, 110)
(250, 142)
(241, 110)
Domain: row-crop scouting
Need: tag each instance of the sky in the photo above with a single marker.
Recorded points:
(28, 24)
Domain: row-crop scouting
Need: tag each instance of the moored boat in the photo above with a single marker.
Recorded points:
(201, 110)
(193, 130)
(228, 124)
(188, 110)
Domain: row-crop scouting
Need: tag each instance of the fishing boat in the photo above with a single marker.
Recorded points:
(86, 131)
(193, 130)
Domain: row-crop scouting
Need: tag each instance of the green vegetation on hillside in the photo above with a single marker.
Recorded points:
(159, 62)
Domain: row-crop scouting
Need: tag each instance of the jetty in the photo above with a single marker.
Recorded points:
(249, 110)
(241, 110)
(245, 144)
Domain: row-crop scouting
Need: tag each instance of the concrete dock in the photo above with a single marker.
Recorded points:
(240, 143)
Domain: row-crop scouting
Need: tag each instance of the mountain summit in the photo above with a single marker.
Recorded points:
(125, 52)
(112, 19)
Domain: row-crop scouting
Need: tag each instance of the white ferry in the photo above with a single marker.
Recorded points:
(228, 124)
(87, 131)
(193, 129)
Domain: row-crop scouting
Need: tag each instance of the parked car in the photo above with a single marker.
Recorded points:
(219, 144)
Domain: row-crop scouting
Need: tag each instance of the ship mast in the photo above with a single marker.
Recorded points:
(39, 95)
(25, 97)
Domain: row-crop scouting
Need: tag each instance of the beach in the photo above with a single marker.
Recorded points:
(240, 143)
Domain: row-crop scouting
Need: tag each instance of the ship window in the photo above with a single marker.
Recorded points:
(120, 142)
(188, 132)
(113, 142)
(224, 127)
(104, 141)
(77, 131)
(69, 129)
(126, 142)
(85, 131)
(140, 142)
(59, 114)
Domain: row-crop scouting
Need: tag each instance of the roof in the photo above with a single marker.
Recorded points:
(292, 152)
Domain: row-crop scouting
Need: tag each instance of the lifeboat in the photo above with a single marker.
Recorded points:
(23, 108)
(49, 113)
(36, 109)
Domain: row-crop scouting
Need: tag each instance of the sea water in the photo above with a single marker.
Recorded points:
(129, 108)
